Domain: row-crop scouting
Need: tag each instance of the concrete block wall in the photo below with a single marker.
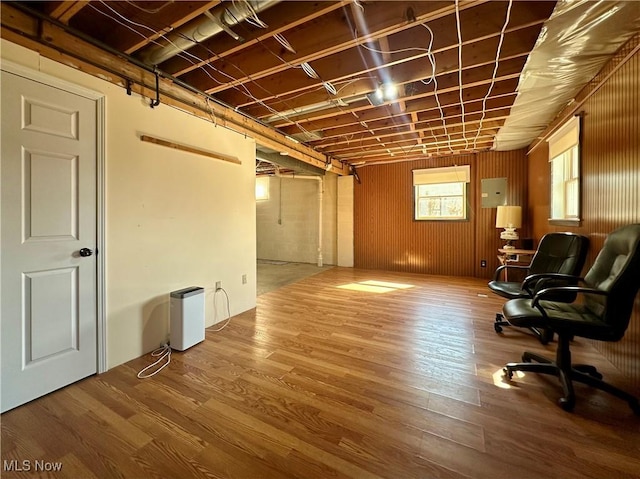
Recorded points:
(287, 223)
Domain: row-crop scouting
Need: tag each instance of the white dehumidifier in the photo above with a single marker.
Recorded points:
(186, 317)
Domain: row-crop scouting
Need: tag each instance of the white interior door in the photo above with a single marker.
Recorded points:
(48, 232)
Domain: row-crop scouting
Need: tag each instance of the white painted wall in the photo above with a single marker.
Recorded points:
(287, 230)
(345, 221)
(173, 219)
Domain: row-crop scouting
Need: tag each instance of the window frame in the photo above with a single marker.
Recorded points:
(441, 176)
(565, 148)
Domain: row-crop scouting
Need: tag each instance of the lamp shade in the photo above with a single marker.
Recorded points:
(509, 217)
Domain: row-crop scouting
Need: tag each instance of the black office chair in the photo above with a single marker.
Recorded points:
(604, 314)
(563, 253)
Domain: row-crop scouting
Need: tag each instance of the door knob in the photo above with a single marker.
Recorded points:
(85, 252)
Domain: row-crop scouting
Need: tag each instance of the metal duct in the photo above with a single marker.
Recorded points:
(290, 163)
(216, 20)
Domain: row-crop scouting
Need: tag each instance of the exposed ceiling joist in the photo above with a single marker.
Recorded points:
(452, 70)
(56, 43)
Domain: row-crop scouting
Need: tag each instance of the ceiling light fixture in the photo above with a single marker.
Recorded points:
(390, 91)
(385, 92)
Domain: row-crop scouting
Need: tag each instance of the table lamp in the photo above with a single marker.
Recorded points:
(509, 218)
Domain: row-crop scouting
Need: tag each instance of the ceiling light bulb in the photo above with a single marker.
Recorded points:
(390, 91)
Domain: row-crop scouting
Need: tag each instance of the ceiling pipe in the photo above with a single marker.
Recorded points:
(218, 19)
(42, 17)
(288, 162)
(315, 107)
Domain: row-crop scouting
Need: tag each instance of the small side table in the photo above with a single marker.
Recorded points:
(514, 256)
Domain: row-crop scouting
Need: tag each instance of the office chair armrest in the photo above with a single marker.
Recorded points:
(496, 274)
(540, 278)
(564, 289)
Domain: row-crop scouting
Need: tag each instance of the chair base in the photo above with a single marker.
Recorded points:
(544, 335)
(567, 373)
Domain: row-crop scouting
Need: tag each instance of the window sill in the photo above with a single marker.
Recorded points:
(565, 222)
(450, 220)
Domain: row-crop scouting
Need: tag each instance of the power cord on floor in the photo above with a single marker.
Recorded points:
(162, 353)
(228, 309)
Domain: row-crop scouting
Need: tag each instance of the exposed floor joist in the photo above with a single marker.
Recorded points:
(56, 43)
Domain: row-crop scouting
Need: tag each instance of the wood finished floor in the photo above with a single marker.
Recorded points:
(322, 382)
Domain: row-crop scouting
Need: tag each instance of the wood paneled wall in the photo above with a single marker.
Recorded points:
(610, 165)
(387, 237)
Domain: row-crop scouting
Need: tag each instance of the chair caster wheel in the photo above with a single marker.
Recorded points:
(566, 404)
(508, 374)
(497, 327)
(590, 370)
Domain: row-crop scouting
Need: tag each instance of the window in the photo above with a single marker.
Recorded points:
(262, 188)
(441, 193)
(564, 159)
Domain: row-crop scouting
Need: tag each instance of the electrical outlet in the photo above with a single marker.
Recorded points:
(483, 263)
(244, 279)
(218, 285)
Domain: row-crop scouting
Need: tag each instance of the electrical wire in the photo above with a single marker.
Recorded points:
(253, 18)
(311, 73)
(185, 55)
(123, 18)
(228, 310)
(242, 87)
(162, 353)
(458, 28)
(150, 10)
(328, 86)
(211, 113)
(353, 80)
(495, 72)
(400, 50)
(434, 79)
(430, 56)
(283, 41)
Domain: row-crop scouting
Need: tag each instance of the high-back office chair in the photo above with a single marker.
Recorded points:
(608, 296)
(557, 253)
